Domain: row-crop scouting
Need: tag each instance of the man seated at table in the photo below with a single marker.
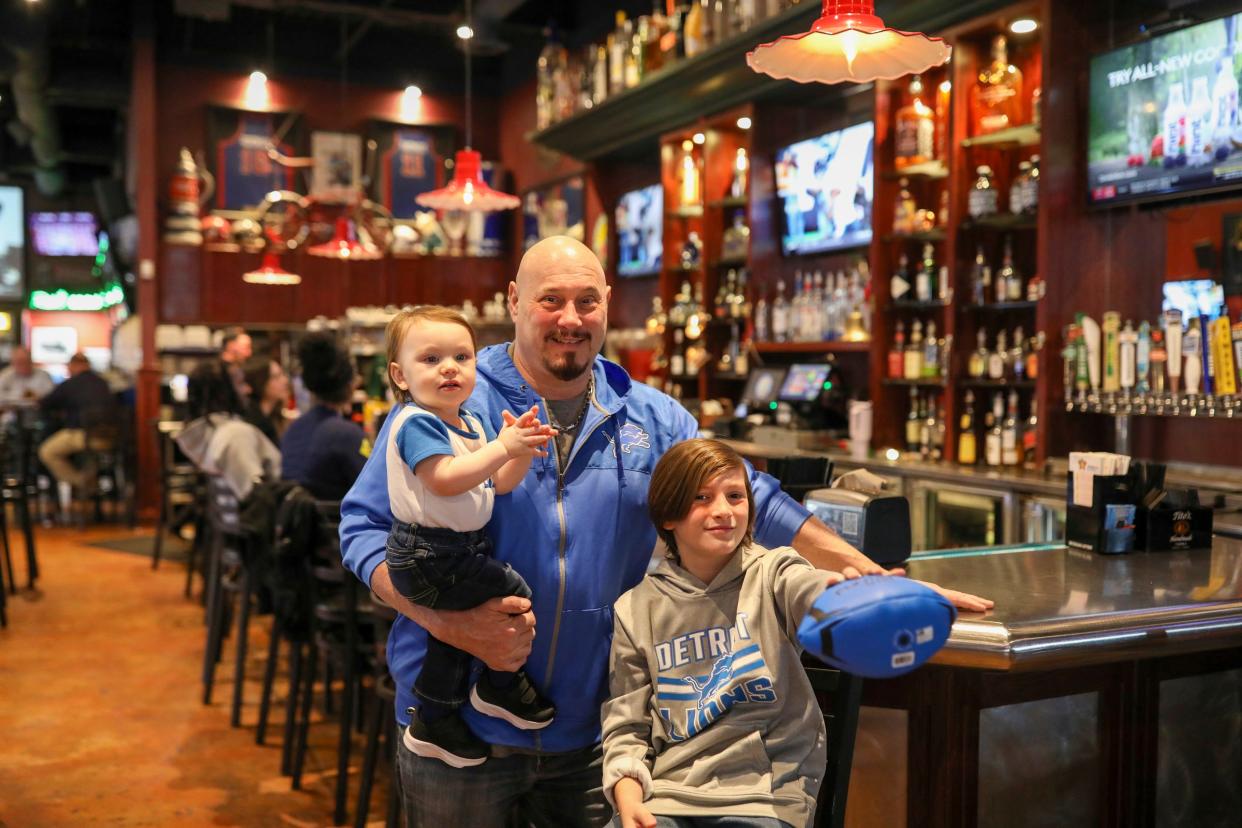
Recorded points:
(82, 402)
(21, 381)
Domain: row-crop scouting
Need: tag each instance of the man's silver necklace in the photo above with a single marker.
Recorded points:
(586, 401)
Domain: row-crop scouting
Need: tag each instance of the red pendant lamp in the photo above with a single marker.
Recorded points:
(345, 244)
(468, 190)
(271, 273)
(848, 43)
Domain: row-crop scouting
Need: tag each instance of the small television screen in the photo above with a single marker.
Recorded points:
(640, 232)
(12, 243)
(1163, 116)
(1194, 297)
(804, 383)
(826, 186)
(64, 234)
(762, 385)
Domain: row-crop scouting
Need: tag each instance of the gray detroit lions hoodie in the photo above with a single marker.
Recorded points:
(710, 708)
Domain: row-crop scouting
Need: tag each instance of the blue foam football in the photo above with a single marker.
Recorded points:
(876, 626)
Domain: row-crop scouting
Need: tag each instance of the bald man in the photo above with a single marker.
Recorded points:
(21, 381)
(576, 529)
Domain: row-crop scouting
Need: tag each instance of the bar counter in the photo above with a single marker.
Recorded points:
(1101, 691)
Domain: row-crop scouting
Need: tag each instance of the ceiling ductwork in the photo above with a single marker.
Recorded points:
(35, 126)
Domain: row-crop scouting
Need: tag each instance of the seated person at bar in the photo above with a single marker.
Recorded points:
(81, 403)
(746, 751)
(268, 386)
(218, 440)
(21, 381)
(323, 450)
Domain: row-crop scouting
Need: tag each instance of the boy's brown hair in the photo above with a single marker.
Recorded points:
(681, 472)
(399, 326)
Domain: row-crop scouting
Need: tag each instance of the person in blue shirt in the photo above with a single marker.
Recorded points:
(576, 529)
(322, 450)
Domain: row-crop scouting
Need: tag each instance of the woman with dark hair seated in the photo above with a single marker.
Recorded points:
(218, 440)
(322, 450)
(269, 391)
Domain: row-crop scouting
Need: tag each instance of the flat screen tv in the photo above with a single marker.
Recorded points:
(64, 234)
(1164, 116)
(640, 232)
(12, 243)
(826, 186)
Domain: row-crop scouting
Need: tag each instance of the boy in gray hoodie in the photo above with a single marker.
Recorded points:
(711, 719)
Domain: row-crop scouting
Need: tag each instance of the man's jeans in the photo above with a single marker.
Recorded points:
(712, 822)
(551, 790)
(443, 569)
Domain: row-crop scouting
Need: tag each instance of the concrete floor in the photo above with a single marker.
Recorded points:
(101, 721)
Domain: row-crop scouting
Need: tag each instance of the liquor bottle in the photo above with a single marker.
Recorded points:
(997, 358)
(925, 281)
(905, 210)
(1030, 194)
(926, 428)
(931, 353)
(690, 189)
(996, 99)
(780, 315)
(762, 330)
(916, 129)
(1009, 433)
(720, 307)
(913, 366)
(1033, 346)
(913, 422)
(634, 53)
(738, 308)
(1018, 188)
(967, 447)
(977, 365)
(980, 279)
(938, 432)
(546, 72)
(1030, 435)
(657, 321)
(677, 360)
(694, 29)
(586, 80)
(992, 442)
(739, 185)
(943, 93)
(599, 75)
(899, 285)
(680, 311)
(618, 49)
(982, 199)
(897, 354)
(1017, 355)
(1010, 276)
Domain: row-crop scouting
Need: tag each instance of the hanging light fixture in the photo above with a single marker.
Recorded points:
(468, 190)
(271, 273)
(848, 43)
(345, 244)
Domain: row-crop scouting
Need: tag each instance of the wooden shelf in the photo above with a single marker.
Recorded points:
(741, 262)
(837, 347)
(730, 377)
(693, 211)
(930, 169)
(1026, 135)
(922, 382)
(1003, 221)
(1001, 307)
(925, 236)
(729, 202)
(1021, 385)
(935, 304)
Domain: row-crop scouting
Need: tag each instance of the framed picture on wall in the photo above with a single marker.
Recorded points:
(53, 345)
(237, 155)
(337, 171)
(556, 209)
(408, 160)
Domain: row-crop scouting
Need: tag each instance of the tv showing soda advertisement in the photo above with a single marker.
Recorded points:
(640, 232)
(1164, 116)
(826, 186)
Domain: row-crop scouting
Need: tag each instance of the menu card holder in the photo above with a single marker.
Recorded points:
(1170, 528)
(1099, 527)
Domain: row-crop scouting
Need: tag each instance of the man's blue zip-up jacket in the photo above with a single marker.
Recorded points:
(580, 540)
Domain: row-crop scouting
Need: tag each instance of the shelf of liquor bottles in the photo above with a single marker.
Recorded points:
(924, 382)
(1002, 307)
(997, 384)
(1022, 135)
(917, 236)
(832, 347)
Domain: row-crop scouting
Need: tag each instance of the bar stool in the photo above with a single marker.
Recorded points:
(228, 579)
(18, 485)
(381, 720)
(179, 489)
(839, 695)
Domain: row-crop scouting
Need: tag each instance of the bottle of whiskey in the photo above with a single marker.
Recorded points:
(980, 279)
(925, 283)
(618, 49)
(931, 353)
(914, 422)
(997, 358)
(914, 352)
(1029, 436)
(967, 448)
(897, 355)
(1017, 355)
(992, 443)
(1009, 433)
(996, 99)
(1009, 278)
(977, 365)
(916, 129)
(905, 210)
(937, 437)
(780, 315)
(899, 285)
(927, 428)
(982, 200)
(677, 360)
(690, 186)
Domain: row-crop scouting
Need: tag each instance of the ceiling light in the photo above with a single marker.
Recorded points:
(256, 96)
(465, 32)
(700, 138)
(848, 43)
(411, 99)
(413, 91)
(1023, 25)
(345, 244)
(743, 122)
(257, 77)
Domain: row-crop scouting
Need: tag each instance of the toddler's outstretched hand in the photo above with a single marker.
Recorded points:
(525, 436)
